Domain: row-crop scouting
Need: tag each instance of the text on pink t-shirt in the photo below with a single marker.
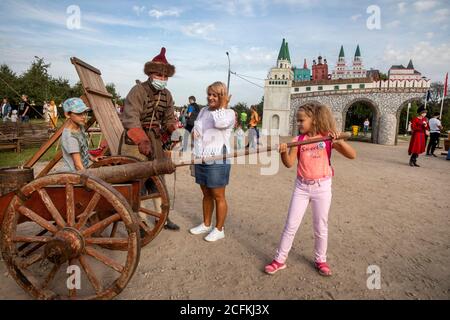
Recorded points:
(314, 159)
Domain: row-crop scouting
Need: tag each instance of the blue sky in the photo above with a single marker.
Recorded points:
(118, 37)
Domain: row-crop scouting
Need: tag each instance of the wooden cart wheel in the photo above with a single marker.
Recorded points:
(53, 254)
(154, 221)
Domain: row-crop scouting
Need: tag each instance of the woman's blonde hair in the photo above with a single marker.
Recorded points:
(322, 119)
(221, 90)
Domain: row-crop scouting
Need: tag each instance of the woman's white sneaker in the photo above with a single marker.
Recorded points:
(201, 229)
(215, 235)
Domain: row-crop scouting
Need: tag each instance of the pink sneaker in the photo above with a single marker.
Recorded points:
(323, 268)
(274, 266)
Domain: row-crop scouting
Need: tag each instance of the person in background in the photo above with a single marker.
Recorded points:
(243, 118)
(24, 107)
(240, 137)
(366, 126)
(14, 116)
(53, 113)
(192, 113)
(45, 113)
(183, 117)
(419, 126)
(5, 110)
(435, 133)
(253, 124)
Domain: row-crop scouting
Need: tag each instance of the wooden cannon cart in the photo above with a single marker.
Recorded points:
(51, 222)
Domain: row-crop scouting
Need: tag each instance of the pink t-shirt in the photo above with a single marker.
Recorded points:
(313, 159)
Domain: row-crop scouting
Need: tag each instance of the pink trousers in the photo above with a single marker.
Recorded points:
(319, 194)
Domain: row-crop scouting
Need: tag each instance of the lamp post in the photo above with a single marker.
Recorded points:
(407, 116)
(229, 71)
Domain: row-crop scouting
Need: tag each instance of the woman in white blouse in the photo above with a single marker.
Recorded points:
(211, 133)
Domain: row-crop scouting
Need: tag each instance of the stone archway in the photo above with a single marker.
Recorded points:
(399, 111)
(374, 121)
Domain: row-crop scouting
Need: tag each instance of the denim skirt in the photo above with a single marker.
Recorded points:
(213, 175)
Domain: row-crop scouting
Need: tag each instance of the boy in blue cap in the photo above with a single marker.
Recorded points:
(74, 143)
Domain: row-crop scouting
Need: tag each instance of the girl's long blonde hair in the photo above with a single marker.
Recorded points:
(221, 90)
(322, 119)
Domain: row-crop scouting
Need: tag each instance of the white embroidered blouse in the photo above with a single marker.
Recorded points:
(214, 131)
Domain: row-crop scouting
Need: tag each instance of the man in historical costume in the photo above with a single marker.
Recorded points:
(148, 112)
(419, 126)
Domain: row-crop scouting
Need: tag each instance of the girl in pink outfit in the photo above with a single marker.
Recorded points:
(313, 183)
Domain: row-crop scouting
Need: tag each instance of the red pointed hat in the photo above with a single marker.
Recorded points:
(159, 64)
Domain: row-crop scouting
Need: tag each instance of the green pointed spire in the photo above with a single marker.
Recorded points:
(357, 53)
(284, 51)
(341, 53)
(287, 56)
(281, 53)
(410, 65)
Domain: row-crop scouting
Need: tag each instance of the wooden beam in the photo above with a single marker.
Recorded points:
(44, 148)
(75, 60)
(99, 93)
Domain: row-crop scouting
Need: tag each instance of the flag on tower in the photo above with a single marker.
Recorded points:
(446, 85)
(444, 94)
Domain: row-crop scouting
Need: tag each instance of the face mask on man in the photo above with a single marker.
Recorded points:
(159, 84)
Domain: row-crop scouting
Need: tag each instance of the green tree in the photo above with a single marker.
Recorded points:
(59, 90)
(357, 114)
(39, 86)
(8, 83)
(35, 82)
(76, 90)
(383, 76)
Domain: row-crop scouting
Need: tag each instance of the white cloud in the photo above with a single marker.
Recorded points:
(429, 35)
(138, 10)
(164, 13)
(254, 55)
(248, 8)
(429, 59)
(401, 7)
(424, 5)
(393, 24)
(355, 17)
(113, 21)
(305, 3)
(441, 15)
(199, 30)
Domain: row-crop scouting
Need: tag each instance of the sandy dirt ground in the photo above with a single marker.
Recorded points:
(383, 213)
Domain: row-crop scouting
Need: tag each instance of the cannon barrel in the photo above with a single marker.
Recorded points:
(132, 171)
(143, 170)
